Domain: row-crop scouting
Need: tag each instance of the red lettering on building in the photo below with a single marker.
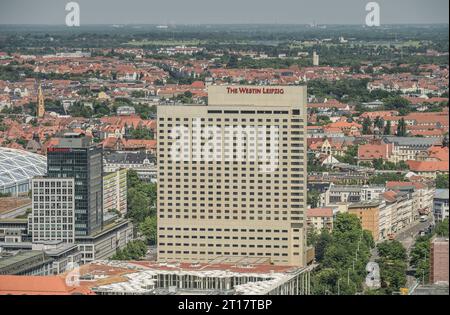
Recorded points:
(254, 90)
(58, 150)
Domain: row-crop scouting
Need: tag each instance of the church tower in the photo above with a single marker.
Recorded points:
(40, 104)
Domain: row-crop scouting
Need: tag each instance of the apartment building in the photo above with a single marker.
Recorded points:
(143, 163)
(232, 176)
(396, 212)
(115, 191)
(319, 219)
(409, 148)
(53, 209)
(343, 194)
(420, 193)
(441, 204)
(369, 214)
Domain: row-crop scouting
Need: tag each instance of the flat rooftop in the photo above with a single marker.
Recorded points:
(9, 260)
(143, 277)
(371, 203)
(8, 204)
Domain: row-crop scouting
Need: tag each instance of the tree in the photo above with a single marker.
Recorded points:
(420, 257)
(392, 250)
(142, 205)
(138, 205)
(324, 281)
(232, 62)
(387, 128)
(379, 122)
(346, 222)
(132, 179)
(397, 103)
(80, 110)
(134, 250)
(336, 251)
(441, 228)
(366, 126)
(393, 265)
(313, 198)
(149, 230)
(323, 120)
(101, 109)
(311, 237)
(322, 242)
(401, 128)
(381, 179)
(140, 133)
(442, 181)
(350, 155)
(378, 164)
(393, 274)
(138, 94)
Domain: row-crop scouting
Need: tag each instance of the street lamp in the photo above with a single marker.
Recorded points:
(339, 288)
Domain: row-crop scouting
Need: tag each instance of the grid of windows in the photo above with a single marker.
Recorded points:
(53, 210)
(221, 204)
(85, 166)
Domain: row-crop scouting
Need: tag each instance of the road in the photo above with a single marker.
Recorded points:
(407, 237)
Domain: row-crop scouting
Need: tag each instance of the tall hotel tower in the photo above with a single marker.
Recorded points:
(232, 177)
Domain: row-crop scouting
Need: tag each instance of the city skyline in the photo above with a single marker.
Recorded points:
(143, 154)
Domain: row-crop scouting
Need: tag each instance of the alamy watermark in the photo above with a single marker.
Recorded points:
(373, 17)
(231, 143)
(73, 17)
(73, 276)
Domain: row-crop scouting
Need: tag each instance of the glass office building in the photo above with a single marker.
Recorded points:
(75, 157)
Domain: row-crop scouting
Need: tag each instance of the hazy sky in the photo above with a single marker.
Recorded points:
(223, 11)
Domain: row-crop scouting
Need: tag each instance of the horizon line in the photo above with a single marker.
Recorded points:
(229, 24)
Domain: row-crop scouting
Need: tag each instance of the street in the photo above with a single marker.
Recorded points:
(407, 237)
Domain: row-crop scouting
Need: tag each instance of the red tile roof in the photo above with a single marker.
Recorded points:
(428, 166)
(374, 151)
(319, 212)
(438, 153)
(393, 185)
(39, 285)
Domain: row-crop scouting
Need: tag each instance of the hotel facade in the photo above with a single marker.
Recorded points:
(232, 176)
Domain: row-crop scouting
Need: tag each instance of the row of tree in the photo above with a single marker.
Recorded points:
(342, 257)
(134, 250)
(393, 265)
(142, 206)
(385, 128)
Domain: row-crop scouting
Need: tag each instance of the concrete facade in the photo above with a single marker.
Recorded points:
(216, 203)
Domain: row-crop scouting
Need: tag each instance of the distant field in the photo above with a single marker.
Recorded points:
(409, 43)
(195, 42)
(166, 43)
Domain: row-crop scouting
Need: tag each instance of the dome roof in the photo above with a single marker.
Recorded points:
(18, 166)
